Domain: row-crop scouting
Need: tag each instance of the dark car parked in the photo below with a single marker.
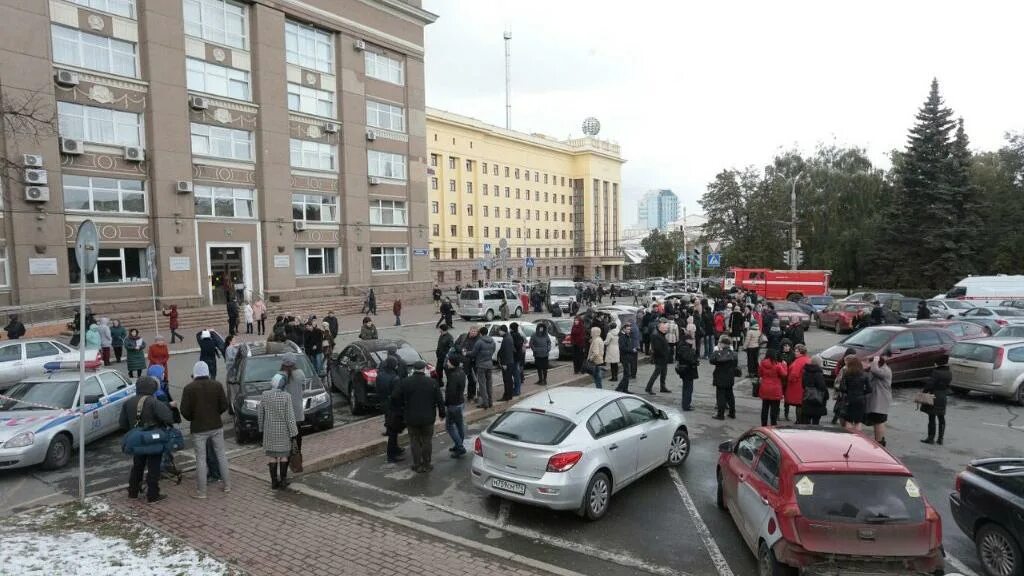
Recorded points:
(559, 328)
(988, 505)
(255, 364)
(354, 370)
(912, 350)
(900, 309)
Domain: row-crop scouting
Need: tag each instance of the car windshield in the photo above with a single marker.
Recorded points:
(958, 304)
(42, 395)
(786, 307)
(407, 353)
(975, 352)
(869, 338)
(260, 369)
(908, 305)
(859, 498)
(820, 300)
(1010, 332)
(564, 326)
(531, 427)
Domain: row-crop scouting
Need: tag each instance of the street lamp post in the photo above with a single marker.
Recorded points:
(792, 223)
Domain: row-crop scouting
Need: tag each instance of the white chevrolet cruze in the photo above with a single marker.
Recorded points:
(573, 448)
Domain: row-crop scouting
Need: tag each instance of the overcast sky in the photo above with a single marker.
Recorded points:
(689, 88)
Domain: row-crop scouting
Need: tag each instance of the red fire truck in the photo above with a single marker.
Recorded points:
(778, 284)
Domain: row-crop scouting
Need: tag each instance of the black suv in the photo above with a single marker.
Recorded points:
(249, 377)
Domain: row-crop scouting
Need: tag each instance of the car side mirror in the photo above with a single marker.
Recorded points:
(893, 351)
(92, 398)
(725, 447)
(662, 415)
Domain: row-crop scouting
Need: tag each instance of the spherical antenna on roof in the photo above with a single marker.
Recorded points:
(591, 126)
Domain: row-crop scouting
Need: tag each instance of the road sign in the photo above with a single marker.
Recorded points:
(681, 257)
(714, 259)
(87, 246)
(481, 264)
(530, 262)
(419, 251)
(503, 243)
(487, 248)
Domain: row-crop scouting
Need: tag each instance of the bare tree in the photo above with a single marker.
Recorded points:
(25, 116)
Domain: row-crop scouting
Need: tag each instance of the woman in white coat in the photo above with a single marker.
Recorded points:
(248, 313)
(611, 350)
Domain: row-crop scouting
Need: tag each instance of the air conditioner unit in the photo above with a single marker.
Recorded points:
(71, 146)
(32, 160)
(198, 103)
(371, 135)
(35, 176)
(184, 187)
(299, 225)
(134, 153)
(66, 78)
(374, 180)
(37, 194)
(359, 45)
(331, 128)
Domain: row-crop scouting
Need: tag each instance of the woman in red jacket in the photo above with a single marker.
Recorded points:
(795, 381)
(772, 371)
(578, 339)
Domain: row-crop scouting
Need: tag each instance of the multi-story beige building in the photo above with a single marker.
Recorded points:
(271, 147)
(554, 205)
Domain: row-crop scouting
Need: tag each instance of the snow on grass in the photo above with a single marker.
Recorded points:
(93, 540)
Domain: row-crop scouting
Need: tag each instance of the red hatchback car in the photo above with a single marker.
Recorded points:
(823, 501)
(843, 316)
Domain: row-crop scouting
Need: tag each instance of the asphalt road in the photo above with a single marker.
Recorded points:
(667, 523)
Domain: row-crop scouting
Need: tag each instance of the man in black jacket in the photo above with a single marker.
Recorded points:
(506, 360)
(232, 317)
(387, 382)
(332, 324)
(154, 414)
(688, 361)
(519, 346)
(15, 329)
(726, 364)
(627, 356)
(436, 295)
(454, 400)
(444, 344)
(419, 398)
(660, 356)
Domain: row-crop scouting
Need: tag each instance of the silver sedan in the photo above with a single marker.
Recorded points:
(20, 359)
(573, 448)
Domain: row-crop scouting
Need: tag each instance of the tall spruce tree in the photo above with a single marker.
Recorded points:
(967, 206)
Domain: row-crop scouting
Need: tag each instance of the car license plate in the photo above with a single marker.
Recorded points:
(513, 487)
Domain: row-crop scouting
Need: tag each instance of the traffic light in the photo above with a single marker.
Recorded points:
(696, 254)
(799, 257)
(785, 257)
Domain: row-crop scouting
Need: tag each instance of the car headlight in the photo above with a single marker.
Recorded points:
(251, 404)
(21, 440)
(321, 398)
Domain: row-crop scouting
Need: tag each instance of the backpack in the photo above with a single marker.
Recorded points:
(140, 441)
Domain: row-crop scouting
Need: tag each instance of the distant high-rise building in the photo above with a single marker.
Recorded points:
(658, 208)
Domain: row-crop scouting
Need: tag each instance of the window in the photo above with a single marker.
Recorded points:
(508, 212)
(469, 231)
(527, 174)
(495, 172)
(308, 47)
(469, 165)
(113, 266)
(536, 177)
(748, 447)
(388, 212)
(471, 251)
(451, 185)
(528, 214)
(639, 411)
(433, 183)
(453, 230)
(452, 209)
(99, 53)
(517, 194)
(469, 187)
(433, 160)
(926, 338)
(223, 202)
(507, 171)
(221, 142)
(437, 253)
(40, 349)
(124, 8)
(768, 465)
(606, 421)
(517, 213)
(87, 194)
(314, 208)
(485, 190)
(384, 68)
(218, 80)
(217, 21)
(517, 173)
(519, 232)
(435, 207)
(436, 230)
(455, 253)
(389, 258)
(315, 261)
(545, 180)
(860, 498)
(386, 116)
(508, 193)
(487, 232)
(99, 125)
(310, 100)
(469, 209)
(904, 341)
(532, 428)
(483, 168)
(312, 155)
(386, 164)
(497, 231)
(452, 162)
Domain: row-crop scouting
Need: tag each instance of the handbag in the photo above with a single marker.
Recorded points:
(295, 458)
(142, 442)
(924, 398)
(588, 366)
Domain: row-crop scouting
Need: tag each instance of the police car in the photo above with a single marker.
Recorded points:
(39, 416)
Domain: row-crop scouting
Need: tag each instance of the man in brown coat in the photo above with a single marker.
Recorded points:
(203, 401)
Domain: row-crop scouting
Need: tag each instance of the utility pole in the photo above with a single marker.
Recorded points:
(508, 79)
(792, 224)
(686, 253)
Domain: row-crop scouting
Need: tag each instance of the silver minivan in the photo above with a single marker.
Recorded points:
(991, 365)
(486, 303)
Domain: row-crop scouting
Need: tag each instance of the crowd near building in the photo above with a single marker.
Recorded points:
(554, 205)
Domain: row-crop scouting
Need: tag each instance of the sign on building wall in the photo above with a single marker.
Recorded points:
(419, 251)
(180, 263)
(281, 261)
(42, 266)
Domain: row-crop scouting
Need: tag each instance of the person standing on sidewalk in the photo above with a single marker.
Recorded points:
(469, 361)
(454, 402)
(795, 382)
(519, 346)
(145, 411)
(276, 420)
(159, 355)
(202, 403)
(172, 323)
(368, 331)
(880, 378)
(660, 357)
(724, 377)
(577, 338)
(814, 404)
(445, 341)
(232, 316)
(371, 301)
(332, 324)
(103, 327)
(506, 361)
(387, 382)
(136, 360)
(117, 337)
(259, 311)
(752, 346)
(938, 386)
(296, 383)
(436, 295)
(596, 355)
(611, 351)
(772, 371)
(628, 347)
(208, 352)
(672, 334)
(396, 308)
(687, 359)
(482, 353)
(419, 398)
(248, 313)
(447, 314)
(540, 343)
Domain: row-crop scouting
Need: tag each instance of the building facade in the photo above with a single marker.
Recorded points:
(658, 209)
(551, 207)
(270, 147)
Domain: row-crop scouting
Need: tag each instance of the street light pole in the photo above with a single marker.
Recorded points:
(792, 223)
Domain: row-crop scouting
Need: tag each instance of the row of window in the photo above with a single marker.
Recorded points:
(530, 214)
(471, 253)
(324, 261)
(453, 163)
(548, 197)
(453, 231)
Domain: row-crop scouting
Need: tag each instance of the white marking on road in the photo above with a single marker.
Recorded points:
(959, 566)
(503, 511)
(353, 473)
(702, 529)
(1021, 428)
(583, 549)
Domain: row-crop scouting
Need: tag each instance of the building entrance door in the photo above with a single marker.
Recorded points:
(227, 272)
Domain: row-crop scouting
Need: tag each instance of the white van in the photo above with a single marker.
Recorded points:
(988, 290)
(561, 293)
(486, 303)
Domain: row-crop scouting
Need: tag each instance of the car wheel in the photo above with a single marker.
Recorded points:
(59, 452)
(329, 424)
(719, 495)
(817, 321)
(960, 391)
(465, 318)
(768, 565)
(998, 552)
(679, 449)
(1020, 394)
(519, 311)
(240, 436)
(489, 316)
(597, 497)
(354, 403)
